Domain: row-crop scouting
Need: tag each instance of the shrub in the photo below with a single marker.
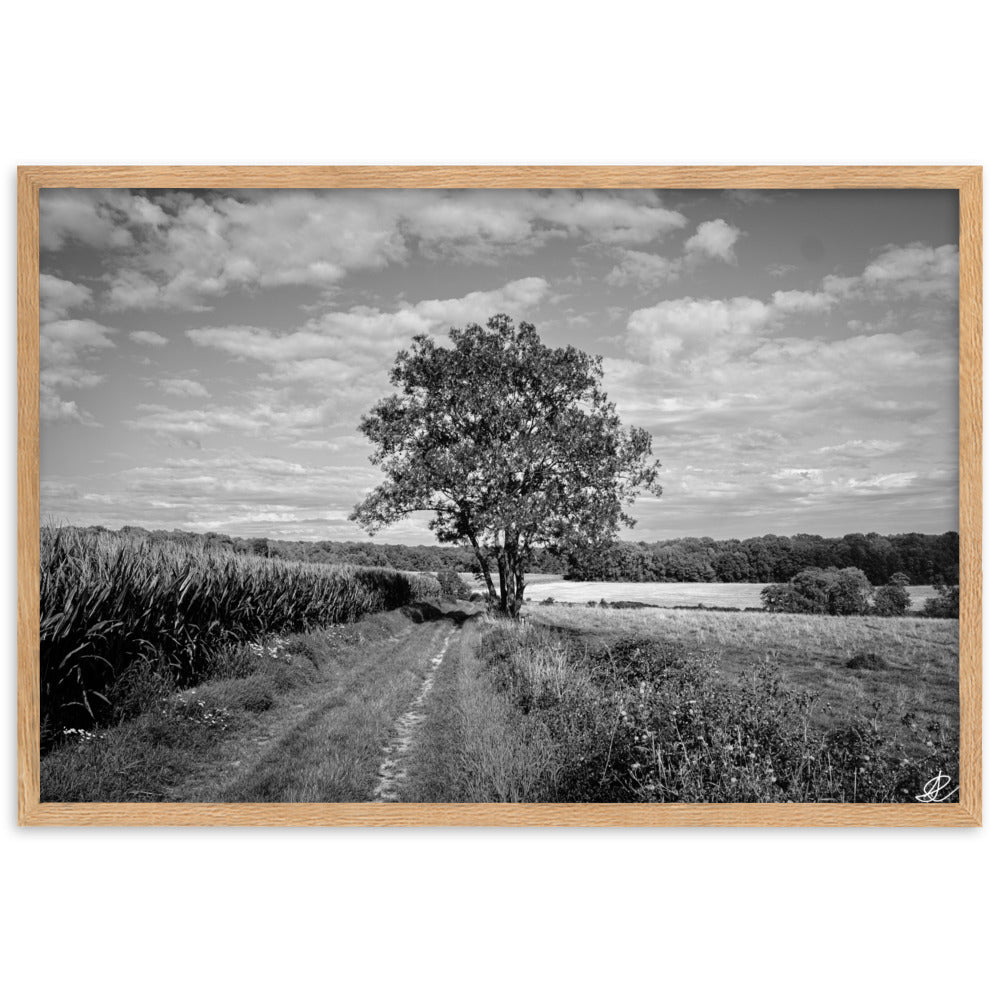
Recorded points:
(891, 601)
(850, 593)
(866, 661)
(945, 605)
(815, 591)
(807, 593)
(452, 585)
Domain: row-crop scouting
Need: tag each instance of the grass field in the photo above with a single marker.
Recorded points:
(590, 704)
(810, 651)
(540, 586)
(569, 704)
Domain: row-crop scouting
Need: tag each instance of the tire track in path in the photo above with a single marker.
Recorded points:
(392, 772)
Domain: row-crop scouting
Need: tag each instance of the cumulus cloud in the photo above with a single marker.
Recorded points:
(147, 337)
(363, 332)
(610, 217)
(714, 239)
(780, 270)
(677, 325)
(766, 407)
(184, 250)
(318, 378)
(57, 297)
(644, 270)
(802, 302)
(858, 448)
(182, 387)
(483, 225)
(883, 483)
(800, 475)
(75, 216)
(64, 340)
(189, 426)
(916, 269)
(64, 345)
(52, 408)
(237, 492)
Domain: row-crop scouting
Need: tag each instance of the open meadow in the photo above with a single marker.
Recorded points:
(234, 678)
(919, 676)
(542, 586)
(648, 705)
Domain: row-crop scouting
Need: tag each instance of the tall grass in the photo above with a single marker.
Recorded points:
(108, 602)
(639, 719)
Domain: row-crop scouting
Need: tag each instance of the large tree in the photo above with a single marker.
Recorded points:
(511, 444)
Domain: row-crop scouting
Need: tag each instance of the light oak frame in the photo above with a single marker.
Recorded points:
(967, 180)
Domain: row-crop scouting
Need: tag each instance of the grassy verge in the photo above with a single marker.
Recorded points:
(297, 719)
(917, 678)
(476, 745)
(611, 711)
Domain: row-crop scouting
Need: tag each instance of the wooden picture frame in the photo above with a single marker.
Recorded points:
(966, 180)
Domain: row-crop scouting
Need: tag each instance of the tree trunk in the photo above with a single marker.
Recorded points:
(512, 579)
(518, 589)
(505, 581)
(484, 565)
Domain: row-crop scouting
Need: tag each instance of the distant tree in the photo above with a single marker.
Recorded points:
(850, 594)
(815, 591)
(891, 601)
(259, 546)
(945, 605)
(511, 444)
(452, 585)
(732, 566)
(807, 593)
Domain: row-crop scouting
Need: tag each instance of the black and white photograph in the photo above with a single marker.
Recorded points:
(499, 495)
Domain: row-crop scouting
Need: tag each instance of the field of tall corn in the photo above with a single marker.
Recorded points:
(109, 602)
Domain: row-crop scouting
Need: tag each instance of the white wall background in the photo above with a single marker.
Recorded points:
(110, 913)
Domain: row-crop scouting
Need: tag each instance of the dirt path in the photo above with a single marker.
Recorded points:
(341, 730)
(392, 772)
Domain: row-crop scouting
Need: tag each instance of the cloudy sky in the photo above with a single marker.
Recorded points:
(207, 356)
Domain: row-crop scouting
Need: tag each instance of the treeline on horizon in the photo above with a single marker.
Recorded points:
(924, 559)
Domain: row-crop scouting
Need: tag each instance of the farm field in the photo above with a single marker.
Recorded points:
(576, 704)
(540, 586)
(809, 651)
(114, 608)
(236, 678)
(568, 704)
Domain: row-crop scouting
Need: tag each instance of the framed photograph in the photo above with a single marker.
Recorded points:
(580, 496)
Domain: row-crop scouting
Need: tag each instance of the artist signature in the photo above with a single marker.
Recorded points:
(934, 789)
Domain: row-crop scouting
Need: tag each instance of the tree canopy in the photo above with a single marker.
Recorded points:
(510, 444)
